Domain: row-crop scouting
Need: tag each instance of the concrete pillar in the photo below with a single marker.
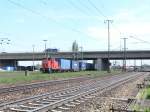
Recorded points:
(105, 64)
(101, 64)
(98, 64)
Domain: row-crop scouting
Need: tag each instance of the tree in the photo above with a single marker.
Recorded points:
(75, 46)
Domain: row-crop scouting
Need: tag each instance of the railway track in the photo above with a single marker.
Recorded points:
(65, 99)
(31, 86)
(127, 104)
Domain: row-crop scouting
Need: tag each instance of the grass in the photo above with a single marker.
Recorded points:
(147, 110)
(148, 93)
(19, 77)
(143, 94)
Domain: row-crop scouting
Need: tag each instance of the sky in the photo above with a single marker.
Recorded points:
(29, 22)
(26, 23)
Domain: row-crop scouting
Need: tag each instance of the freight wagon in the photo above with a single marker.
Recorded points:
(64, 65)
(74, 65)
(21, 68)
(9, 68)
(59, 65)
(90, 66)
(82, 66)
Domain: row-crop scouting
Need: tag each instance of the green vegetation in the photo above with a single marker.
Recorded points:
(19, 77)
(138, 108)
(148, 93)
(143, 94)
(147, 110)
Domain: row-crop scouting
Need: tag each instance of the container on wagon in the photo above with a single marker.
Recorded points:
(74, 65)
(10, 68)
(90, 66)
(65, 65)
(82, 66)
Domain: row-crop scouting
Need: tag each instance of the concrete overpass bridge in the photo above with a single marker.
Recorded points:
(100, 57)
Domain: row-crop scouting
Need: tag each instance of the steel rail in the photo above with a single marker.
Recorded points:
(108, 86)
(81, 91)
(51, 93)
(39, 85)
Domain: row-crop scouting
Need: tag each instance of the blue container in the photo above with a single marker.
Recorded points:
(9, 68)
(74, 65)
(82, 66)
(89, 66)
(64, 64)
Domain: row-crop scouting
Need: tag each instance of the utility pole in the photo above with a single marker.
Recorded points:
(141, 65)
(45, 47)
(120, 46)
(81, 55)
(33, 57)
(108, 26)
(124, 54)
(134, 64)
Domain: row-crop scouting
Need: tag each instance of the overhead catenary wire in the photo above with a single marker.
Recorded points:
(84, 10)
(46, 17)
(81, 2)
(139, 39)
(100, 12)
(70, 28)
(77, 7)
(43, 2)
(97, 9)
(73, 21)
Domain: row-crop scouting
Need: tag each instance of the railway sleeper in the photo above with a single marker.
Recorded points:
(55, 98)
(62, 96)
(80, 101)
(75, 103)
(50, 100)
(84, 98)
(55, 110)
(42, 102)
(18, 109)
(70, 105)
(35, 104)
(63, 108)
(24, 108)
(29, 107)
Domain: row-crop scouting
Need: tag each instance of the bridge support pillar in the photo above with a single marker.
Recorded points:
(101, 64)
(98, 64)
